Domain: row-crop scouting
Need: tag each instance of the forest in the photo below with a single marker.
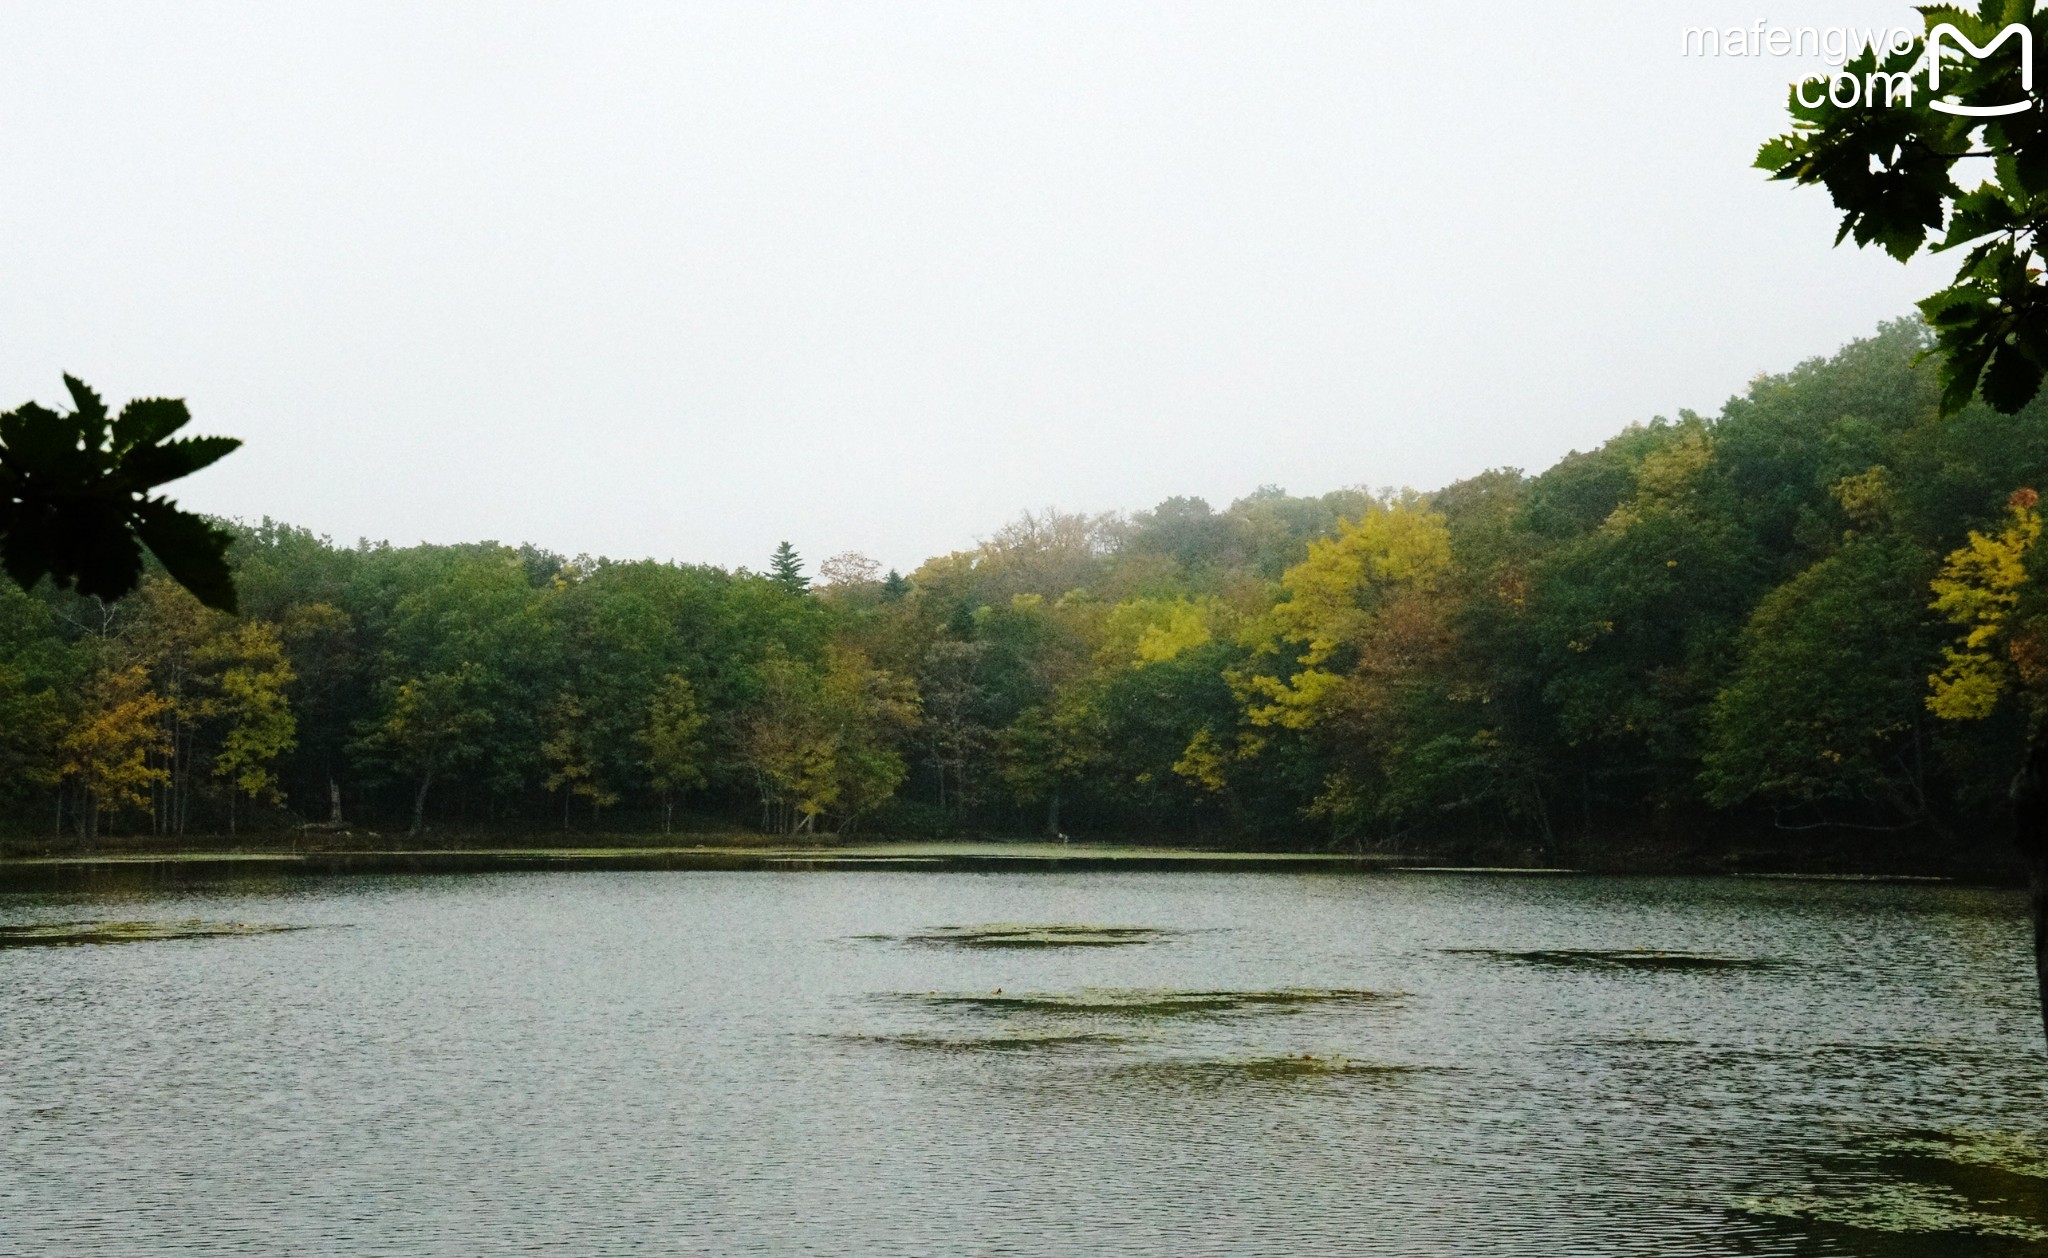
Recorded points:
(1786, 621)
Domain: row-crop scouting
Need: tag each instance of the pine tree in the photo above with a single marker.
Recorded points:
(786, 569)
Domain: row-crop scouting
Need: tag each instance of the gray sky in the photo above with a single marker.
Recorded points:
(684, 280)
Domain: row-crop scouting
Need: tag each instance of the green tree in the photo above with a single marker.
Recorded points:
(954, 730)
(870, 712)
(673, 739)
(1825, 711)
(249, 698)
(431, 725)
(165, 629)
(31, 722)
(787, 744)
(1044, 669)
(821, 740)
(1636, 618)
(572, 758)
(320, 642)
(39, 679)
(1051, 747)
(786, 569)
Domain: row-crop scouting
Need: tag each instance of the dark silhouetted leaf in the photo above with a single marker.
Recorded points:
(75, 503)
(193, 551)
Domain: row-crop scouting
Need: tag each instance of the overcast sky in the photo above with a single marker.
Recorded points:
(684, 280)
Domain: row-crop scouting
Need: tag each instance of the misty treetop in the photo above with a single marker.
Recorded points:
(1801, 614)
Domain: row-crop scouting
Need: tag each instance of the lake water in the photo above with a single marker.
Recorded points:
(595, 1063)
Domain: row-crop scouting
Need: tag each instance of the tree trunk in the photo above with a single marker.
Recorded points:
(2030, 833)
(419, 804)
(333, 802)
(1543, 815)
(1052, 812)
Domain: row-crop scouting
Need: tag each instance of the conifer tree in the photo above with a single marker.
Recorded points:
(786, 569)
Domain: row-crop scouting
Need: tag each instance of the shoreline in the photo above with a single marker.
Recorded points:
(74, 869)
(83, 870)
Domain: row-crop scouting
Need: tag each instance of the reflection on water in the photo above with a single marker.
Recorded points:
(1143, 1003)
(1621, 958)
(44, 934)
(771, 1063)
(1017, 935)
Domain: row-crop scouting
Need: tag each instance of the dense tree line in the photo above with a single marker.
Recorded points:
(1783, 617)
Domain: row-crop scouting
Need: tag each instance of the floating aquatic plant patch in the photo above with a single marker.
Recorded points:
(1016, 935)
(1010, 1040)
(2012, 1152)
(1151, 1002)
(1280, 1067)
(1899, 1208)
(1621, 959)
(64, 934)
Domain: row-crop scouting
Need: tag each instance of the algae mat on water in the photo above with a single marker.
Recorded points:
(2010, 1152)
(1008, 1039)
(1926, 1189)
(1271, 1068)
(67, 934)
(1024, 935)
(1905, 1209)
(1149, 1002)
(1622, 958)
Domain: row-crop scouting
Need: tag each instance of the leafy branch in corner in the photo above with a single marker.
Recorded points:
(1889, 164)
(76, 502)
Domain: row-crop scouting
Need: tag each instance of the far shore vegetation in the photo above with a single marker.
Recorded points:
(1786, 621)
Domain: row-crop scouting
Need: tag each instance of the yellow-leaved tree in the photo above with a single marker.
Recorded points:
(822, 740)
(1363, 619)
(1979, 590)
(107, 750)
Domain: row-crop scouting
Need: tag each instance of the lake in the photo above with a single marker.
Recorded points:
(1035, 1064)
